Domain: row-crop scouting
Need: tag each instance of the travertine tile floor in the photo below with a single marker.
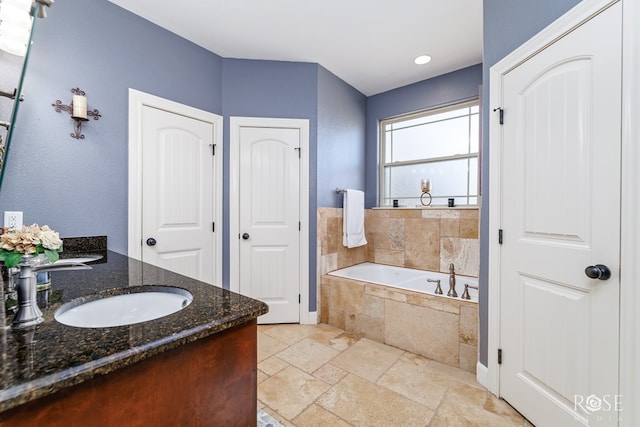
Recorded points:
(319, 375)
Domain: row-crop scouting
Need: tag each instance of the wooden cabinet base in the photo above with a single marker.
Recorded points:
(209, 382)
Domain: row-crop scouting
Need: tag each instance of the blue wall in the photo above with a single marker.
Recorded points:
(507, 24)
(442, 90)
(80, 187)
(272, 89)
(341, 138)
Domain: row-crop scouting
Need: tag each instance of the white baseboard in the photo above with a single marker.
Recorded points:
(311, 318)
(482, 375)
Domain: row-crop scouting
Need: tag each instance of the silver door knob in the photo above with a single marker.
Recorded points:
(151, 241)
(598, 271)
(245, 236)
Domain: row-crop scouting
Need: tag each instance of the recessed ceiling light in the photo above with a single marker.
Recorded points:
(422, 59)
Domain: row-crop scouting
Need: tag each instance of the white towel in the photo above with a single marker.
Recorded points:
(353, 219)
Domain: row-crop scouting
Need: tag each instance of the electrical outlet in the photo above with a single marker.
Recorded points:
(13, 220)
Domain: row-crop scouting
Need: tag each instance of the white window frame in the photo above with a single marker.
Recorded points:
(424, 113)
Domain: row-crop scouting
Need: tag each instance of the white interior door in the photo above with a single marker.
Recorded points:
(178, 193)
(269, 232)
(561, 213)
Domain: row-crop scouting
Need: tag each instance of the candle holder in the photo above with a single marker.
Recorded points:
(78, 111)
(425, 186)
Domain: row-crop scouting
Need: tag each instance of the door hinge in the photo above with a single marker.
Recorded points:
(500, 236)
(213, 149)
(213, 227)
(299, 152)
(501, 114)
(499, 356)
(299, 299)
(299, 225)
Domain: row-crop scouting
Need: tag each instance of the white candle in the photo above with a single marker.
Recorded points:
(79, 107)
(425, 185)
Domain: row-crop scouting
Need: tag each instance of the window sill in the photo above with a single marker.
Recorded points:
(466, 207)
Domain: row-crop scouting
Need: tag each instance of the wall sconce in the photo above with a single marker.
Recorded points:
(78, 111)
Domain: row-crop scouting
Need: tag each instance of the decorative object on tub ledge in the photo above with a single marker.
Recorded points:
(31, 240)
(78, 111)
(425, 186)
(353, 219)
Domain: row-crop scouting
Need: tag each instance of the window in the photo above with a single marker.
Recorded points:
(440, 145)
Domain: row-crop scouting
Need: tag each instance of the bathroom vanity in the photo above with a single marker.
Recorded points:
(197, 366)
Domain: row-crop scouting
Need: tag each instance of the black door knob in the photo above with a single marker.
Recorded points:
(245, 236)
(151, 241)
(598, 271)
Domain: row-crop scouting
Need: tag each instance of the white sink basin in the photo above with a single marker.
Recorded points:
(125, 309)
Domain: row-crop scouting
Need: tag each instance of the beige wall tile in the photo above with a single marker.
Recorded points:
(348, 296)
(463, 253)
(449, 227)
(390, 257)
(431, 333)
(365, 326)
(469, 325)
(396, 234)
(334, 234)
(386, 293)
(469, 228)
(468, 357)
(469, 213)
(336, 318)
(422, 245)
(434, 302)
(373, 306)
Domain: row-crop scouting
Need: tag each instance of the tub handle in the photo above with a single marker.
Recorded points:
(438, 290)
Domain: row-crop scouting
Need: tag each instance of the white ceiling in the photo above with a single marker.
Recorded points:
(369, 44)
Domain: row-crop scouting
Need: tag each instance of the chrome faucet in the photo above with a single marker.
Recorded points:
(465, 294)
(438, 290)
(22, 278)
(452, 282)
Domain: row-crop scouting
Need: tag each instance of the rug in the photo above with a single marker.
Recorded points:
(266, 420)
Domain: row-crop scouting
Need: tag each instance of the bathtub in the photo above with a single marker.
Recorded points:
(397, 306)
(407, 278)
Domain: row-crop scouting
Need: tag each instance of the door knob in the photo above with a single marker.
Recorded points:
(598, 271)
(151, 241)
(245, 236)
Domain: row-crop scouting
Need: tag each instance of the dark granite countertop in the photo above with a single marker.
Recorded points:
(51, 356)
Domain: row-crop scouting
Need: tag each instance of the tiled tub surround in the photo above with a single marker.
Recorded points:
(425, 239)
(64, 357)
(439, 328)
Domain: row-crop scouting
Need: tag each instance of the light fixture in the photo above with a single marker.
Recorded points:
(422, 59)
(78, 111)
(15, 26)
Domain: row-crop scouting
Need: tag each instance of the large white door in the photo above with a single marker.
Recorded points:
(269, 234)
(178, 193)
(560, 214)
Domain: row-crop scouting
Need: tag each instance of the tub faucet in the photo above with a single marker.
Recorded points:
(23, 278)
(438, 290)
(452, 282)
(465, 294)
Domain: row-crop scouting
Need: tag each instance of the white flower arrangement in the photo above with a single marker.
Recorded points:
(30, 240)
